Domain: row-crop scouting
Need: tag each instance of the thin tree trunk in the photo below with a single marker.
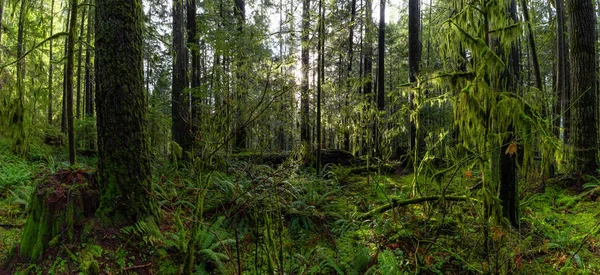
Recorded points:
(320, 80)
(380, 77)
(349, 79)
(64, 123)
(79, 59)
(241, 130)
(304, 112)
(18, 117)
(69, 79)
(50, 66)
(414, 58)
(561, 71)
(89, 93)
(534, 58)
(194, 45)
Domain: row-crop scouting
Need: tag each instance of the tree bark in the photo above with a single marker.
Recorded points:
(194, 46)
(349, 71)
(69, 79)
(50, 66)
(562, 89)
(304, 106)
(89, 93)
(414, 58)
(380, 77)
(241, 131)
(320, 80)
(584, 120)
(179, 106)
(124, 170)
(79, 59)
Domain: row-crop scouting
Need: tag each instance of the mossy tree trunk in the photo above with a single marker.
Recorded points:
(123, 163)
(584, 120)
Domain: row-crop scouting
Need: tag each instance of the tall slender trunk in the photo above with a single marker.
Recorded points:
(509, 197)
(79, 59)
(18, 116)
(368, 63)
(349, 79)
(414, 58)
(89, 93)
(69, 79)
(539, 84)
(50, 66)
(304, 112)
(320, 80)
(63, 121)
(562, 72)
(179, 106)
(380, 77)
(194, 46)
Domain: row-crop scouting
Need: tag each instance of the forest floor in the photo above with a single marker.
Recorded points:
(248, 218)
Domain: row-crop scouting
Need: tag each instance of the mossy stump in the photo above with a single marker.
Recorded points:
(57, 210)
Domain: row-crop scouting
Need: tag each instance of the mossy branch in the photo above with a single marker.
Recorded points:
(397, 203)
(56, 35)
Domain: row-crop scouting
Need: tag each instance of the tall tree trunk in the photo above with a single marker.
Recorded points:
(380, 77)
(79, 59)
(509, 196)
(563, 88)
(584, 124)
(414, 58)
(304, 106)
(349, 79)
(320, 80)
(241, 130)
(18, 116)
(63, 122)
(368, 57)
(89, 93)
(124, 170)
(179, 105)
(194, 46)
(539, 84)
(69, 79)
(50, 66)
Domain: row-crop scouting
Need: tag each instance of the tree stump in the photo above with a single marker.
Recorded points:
(57, 210)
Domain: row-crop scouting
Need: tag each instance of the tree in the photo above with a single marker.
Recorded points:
(179, 106)
(50, 67)
(194, 46)
(584, 120)
(69, 79)
(380, 76)
(562, 79)
(241, 127)
(304, 107)
(123, 158)
(414, 58)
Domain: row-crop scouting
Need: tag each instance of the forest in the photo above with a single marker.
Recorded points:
(299, 137)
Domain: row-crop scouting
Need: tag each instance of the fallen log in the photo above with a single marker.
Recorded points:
(395, 202)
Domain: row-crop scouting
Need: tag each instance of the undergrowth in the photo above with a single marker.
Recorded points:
(248, 218)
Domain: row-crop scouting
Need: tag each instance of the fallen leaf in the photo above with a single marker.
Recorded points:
(512, 149)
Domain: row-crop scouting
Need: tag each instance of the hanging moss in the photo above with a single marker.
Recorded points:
(58, 207)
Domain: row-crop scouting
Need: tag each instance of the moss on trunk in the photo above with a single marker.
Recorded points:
(123, 157)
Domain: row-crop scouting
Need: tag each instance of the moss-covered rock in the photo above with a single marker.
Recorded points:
(58, 208)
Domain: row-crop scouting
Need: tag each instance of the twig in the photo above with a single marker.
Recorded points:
(137, 266)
